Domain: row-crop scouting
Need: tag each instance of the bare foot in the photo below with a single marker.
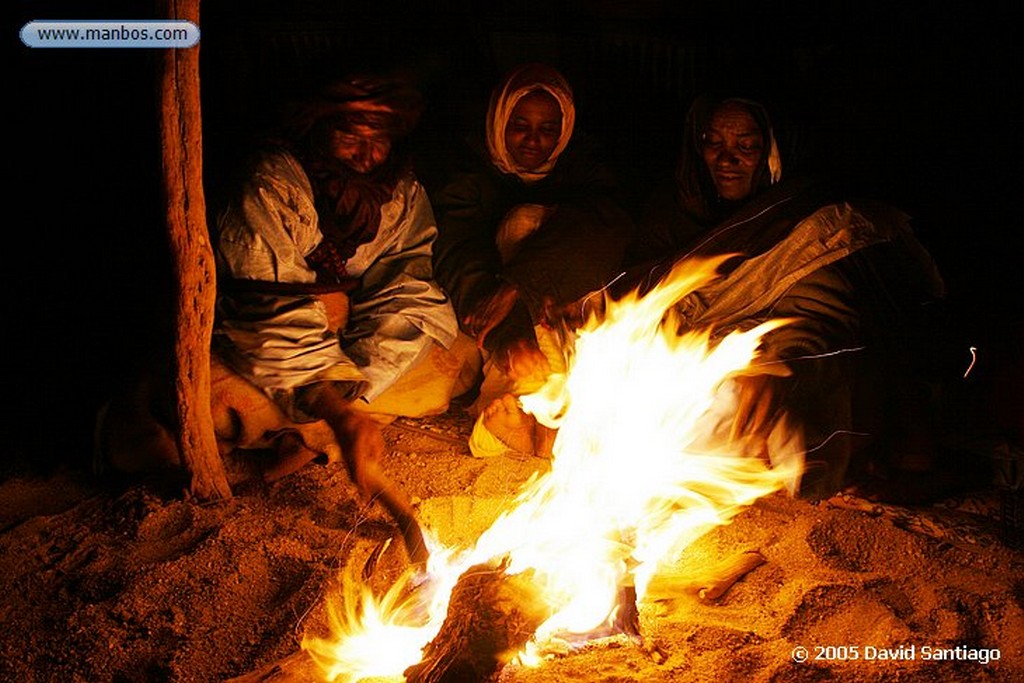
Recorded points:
(509, 424)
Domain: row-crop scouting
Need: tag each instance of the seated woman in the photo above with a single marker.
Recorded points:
(849, 374)
(528, 218)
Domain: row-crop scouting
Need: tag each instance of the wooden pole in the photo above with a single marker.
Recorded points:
(192, 255)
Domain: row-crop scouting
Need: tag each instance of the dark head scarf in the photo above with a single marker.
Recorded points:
(697, 193)
(349, 203)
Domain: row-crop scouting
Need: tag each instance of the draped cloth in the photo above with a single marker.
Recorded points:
(807, 273)
(284, 341)
(845, 379)
(349, 208)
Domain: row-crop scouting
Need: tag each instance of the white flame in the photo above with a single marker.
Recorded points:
(638, 473)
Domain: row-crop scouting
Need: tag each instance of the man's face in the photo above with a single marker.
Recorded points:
(533, 129)
(732, 147)
(360, 147)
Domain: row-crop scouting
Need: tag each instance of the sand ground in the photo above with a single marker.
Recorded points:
(118, 581)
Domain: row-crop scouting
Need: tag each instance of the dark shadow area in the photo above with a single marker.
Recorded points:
(90, 281)
(900, 105)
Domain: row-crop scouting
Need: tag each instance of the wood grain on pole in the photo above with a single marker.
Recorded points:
(192, 255)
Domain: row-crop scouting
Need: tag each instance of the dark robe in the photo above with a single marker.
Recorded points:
(577, 250)
(865, 301)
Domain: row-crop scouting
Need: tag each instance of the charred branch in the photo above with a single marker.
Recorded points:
(491, 616)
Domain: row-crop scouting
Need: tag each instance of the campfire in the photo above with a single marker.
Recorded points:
(643, 464)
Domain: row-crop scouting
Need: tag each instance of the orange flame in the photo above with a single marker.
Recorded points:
(642, 466)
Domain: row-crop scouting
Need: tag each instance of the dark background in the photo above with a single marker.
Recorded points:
(913, 104)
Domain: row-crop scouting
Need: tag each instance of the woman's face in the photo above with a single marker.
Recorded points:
(533, 129)
(733, 147)
(360, 147)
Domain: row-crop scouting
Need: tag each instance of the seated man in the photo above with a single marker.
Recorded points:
(327, 297)
(328, 316)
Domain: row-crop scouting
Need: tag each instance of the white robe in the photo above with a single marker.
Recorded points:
(284, 342)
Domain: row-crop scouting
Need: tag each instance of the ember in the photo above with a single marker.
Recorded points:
(642, 466)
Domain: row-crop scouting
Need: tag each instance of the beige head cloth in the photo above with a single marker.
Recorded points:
(517, 84)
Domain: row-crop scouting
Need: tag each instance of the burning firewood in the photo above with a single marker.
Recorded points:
(711, 584)
(627, 622)
(491, 616)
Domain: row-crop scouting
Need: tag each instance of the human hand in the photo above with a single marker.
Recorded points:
(759, 405)
(336, 304)
(490, 311)
(359, 437)
(362, 447)
(523, 361)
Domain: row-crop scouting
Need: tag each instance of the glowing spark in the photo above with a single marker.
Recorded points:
(974, 357)
(834, 434)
